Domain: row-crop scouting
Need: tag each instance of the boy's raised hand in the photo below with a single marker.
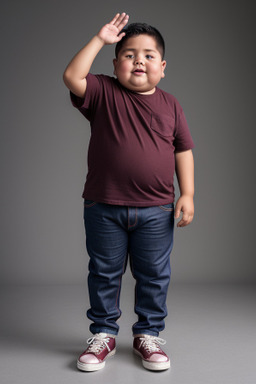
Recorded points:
(109, 34)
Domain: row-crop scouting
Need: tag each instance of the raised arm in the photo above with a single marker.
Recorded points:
(79, 66)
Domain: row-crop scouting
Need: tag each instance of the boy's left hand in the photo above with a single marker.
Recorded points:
(184, 204)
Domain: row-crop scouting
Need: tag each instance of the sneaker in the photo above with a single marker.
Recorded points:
(101, 346)
(148, 348)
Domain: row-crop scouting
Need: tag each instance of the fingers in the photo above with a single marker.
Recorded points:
(177, 212)
(114, 19)
(186, 219)
(120, 20)
(120, 36)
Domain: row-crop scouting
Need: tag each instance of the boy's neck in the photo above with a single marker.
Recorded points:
(148, 92)
(151, 92)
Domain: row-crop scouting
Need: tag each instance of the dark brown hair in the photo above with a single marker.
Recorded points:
(136, 29)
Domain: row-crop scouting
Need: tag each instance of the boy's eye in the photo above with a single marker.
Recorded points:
(149, 57)
(129, 56)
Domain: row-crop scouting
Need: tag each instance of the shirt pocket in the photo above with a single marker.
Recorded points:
(162, 124)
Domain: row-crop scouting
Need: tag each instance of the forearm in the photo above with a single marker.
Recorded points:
(184, 163)
(80, 65)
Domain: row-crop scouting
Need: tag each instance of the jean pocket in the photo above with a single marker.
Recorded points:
(167, 207)
(162, 124)
(89, 203)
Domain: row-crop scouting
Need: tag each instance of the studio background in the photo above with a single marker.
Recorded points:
(210, 329)
(210, 69)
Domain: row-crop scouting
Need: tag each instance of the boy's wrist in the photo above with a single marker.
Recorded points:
(99, 40)
(189, 195)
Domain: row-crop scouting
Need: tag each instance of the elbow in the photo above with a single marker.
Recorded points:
(66, 78)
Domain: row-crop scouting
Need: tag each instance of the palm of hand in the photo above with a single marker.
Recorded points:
(109, 34)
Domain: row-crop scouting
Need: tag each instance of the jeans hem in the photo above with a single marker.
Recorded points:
(145, 332)
(103, 330)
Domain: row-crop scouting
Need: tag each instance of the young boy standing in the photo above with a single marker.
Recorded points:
(139, 136)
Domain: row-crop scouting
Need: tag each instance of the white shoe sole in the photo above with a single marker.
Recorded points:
(153, 366)
(87, 367)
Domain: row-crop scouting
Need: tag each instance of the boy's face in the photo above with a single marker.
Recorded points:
(139, 66)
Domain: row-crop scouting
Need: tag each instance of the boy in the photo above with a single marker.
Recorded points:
(138, 135)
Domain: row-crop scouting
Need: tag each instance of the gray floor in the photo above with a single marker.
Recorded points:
(210, 333)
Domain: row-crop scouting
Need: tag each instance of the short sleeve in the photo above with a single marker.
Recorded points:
(182, 138)
(93, 92)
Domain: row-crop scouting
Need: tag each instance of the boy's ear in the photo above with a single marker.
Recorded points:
(114, 63)
(164, 63)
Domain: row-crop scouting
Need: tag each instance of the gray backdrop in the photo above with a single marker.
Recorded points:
(210, 69)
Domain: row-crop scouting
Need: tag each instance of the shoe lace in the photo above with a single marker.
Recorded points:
(97, 343)
(151, 343)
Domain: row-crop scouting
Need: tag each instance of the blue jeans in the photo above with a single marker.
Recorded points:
(145, 235)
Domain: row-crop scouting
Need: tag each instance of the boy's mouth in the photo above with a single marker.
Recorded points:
(138, 71)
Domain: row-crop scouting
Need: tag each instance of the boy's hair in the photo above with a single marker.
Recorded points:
(136, 29)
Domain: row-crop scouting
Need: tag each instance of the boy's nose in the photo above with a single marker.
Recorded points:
(139, 61)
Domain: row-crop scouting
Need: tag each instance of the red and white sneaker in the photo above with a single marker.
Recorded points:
(101, 346)
(148, 348)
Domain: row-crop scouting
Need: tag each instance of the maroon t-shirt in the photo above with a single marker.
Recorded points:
(133, 140)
